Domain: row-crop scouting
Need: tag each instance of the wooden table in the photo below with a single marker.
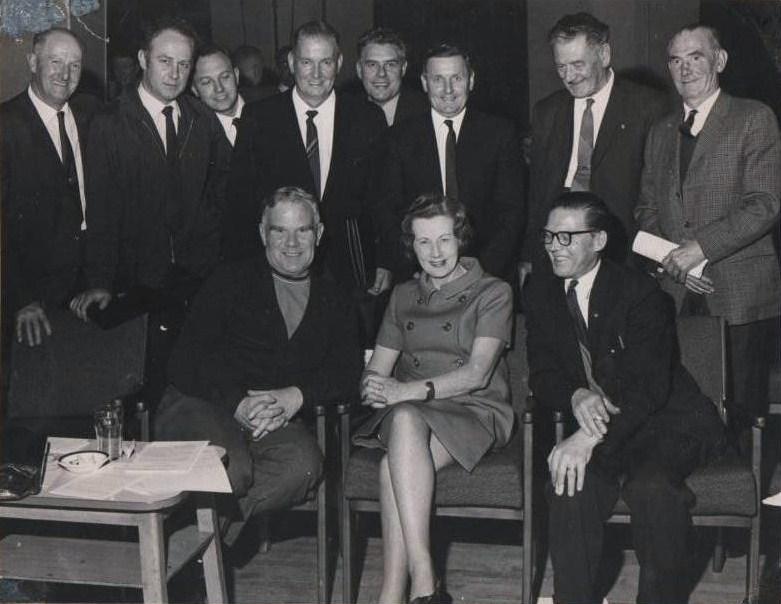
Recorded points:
(147, 564)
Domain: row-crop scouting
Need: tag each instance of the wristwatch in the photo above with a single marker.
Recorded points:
(430, 392)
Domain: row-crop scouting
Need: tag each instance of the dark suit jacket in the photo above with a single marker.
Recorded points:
(635, 357)
(270, 153)
(132, 238)
(412, 102)
(616, 163)
(490, 185)
(235, 339)
(41, 218)
(728, 202)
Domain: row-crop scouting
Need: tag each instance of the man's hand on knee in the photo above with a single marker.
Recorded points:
(568, 460)
(256, 411)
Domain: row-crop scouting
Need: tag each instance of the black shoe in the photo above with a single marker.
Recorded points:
(244, 548)
(438, 597)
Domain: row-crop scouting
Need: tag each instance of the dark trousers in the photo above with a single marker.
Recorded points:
(659, 503)
(751, 348)
(273, 473)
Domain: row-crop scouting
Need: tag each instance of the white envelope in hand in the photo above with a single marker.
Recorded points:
(656, 248)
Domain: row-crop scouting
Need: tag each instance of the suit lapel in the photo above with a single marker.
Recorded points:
(430, 152)
(341, 134)
(600, 302)
(712, 131)
(562, 134)
(612, 121)
(39, 128)
(291, 134)
(468, 148)
(565, 329)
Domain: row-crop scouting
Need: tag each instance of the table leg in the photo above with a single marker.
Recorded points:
(213, 571)
(151, 542)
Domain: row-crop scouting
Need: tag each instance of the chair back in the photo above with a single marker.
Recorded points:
(703, 353)
(77, 368)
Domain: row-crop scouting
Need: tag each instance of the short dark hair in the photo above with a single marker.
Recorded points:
(712, 32)
(177, 24)
(587, 24)
(39, 39)
(382, 35)
(447, 49)
(315, 29)
(213, 49)
(245, 51)
(598, 215)
(430, 205)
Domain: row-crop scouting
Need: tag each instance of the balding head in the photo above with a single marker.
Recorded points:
(55, 66)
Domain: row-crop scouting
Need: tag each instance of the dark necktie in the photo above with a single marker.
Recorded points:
(313, 149)
(451, 180)
(688, 142)
(68, 159)
(574, 311)
(582, 178)
(170, 135)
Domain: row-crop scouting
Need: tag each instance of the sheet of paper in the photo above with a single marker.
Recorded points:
(102, 484)
(208, 474)
(656, 248)
(166, 456)
(59, 445)
(774, 500)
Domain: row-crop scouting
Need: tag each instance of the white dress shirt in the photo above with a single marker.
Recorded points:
(155, 110)
(703, 111)
(389, 109)
(440, 132)
(226, 121)
(48, 116)
(324, 121)
(583, 289)
(601, 99)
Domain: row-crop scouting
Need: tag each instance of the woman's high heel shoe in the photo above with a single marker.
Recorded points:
(438, 597)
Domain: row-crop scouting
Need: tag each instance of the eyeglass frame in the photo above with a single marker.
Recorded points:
(556, 235)
(392, 66)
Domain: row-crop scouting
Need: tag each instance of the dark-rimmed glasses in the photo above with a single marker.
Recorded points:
(564, 237)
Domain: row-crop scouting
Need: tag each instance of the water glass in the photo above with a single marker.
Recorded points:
(108, 431)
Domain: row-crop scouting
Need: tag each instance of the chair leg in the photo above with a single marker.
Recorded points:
(527, 571)
(322, 546)
(752, 564)
(719, 554)
(347, 553)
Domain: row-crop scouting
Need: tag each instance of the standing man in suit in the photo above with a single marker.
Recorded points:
(381, 65)
(316, 139)
(602, 345)
(589, 136)
(464, 153)
(711, 184)
(156, 188)
(215, 82)
(43, 142)
(266, 340)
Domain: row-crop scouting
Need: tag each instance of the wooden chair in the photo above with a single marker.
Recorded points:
(500, 487)
(728, 490)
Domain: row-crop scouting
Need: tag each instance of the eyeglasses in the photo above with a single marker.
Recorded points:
(375, 66)
(564, 237)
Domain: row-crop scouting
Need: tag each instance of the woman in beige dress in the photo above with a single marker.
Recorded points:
(439, 383)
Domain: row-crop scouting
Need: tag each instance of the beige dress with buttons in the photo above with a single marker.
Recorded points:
(434, 330)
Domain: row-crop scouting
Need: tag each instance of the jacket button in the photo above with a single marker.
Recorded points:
(416, 362)
(459, 362)
(462, 298)
(420, 300)
(410, 325)
(447, 326)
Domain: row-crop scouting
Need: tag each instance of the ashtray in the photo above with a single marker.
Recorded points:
(83, 462)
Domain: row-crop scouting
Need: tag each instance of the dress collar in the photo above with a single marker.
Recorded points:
(449, 290)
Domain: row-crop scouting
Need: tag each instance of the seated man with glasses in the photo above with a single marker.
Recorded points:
(602, 343)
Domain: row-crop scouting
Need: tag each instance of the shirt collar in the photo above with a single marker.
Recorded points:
(439, 119)
(325, 108)
(586, 282)
(155, 106)
(602, 96)
(47, 112)
(228, 119)
(389, 109)
(703, 110)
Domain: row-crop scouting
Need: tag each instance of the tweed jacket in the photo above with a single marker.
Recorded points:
(728, 202)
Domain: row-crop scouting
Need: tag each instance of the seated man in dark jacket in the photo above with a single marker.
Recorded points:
(602, 343)
(265, 340)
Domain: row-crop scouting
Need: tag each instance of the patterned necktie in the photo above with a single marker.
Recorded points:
(574, 311)
(313, 149)
(170, 135)
(686, 126)
(451, 180)
(582, 179)
(68, 159)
